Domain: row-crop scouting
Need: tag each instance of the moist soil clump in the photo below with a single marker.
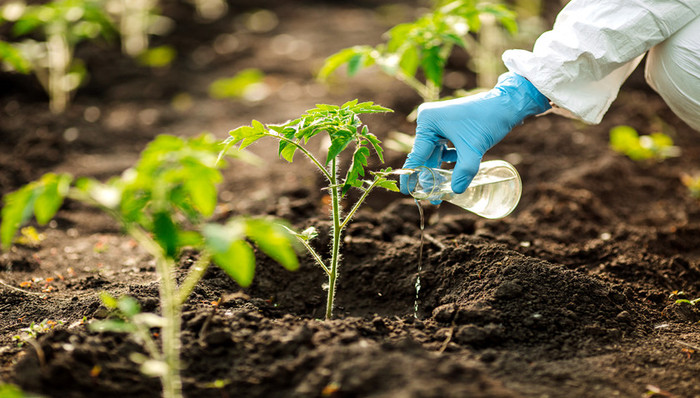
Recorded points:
(574, 294)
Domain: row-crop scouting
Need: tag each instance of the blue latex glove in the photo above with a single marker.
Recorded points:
(473, 124)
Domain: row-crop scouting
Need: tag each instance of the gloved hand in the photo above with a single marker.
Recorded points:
(473, 124)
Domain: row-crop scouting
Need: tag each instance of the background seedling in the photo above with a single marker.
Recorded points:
(692, 183)
(164, 203)
(60, 26)
(652, 147)
(247, 84)
(344, 127)
(34, 330)
(416, 53)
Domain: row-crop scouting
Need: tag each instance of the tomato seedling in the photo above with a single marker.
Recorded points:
(416, 53)
(344, 127)
(164, 202)
(61, 24)
(655, 146)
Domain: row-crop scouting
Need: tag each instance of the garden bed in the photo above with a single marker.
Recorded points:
(571, 295)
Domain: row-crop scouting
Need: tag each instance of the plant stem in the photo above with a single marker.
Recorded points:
(329, 176)
(359, 203)
(335, 251)
(170, 310)
(315, 255)
(58, 62)
(193, 277)
(170, 332)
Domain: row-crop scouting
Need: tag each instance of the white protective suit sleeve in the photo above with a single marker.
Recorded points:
(593, 47)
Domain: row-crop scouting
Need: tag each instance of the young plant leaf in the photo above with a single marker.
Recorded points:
(202, 191)
(273, 241)
(112, 325)
(16, 211)
(338, 145)
(14, 58)
(128, 306)
(388, 185)
(238, 262)
(165, 232)
(53, 190)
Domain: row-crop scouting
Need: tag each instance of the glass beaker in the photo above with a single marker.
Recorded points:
(493, 193)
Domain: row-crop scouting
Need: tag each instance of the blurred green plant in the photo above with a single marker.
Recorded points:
(654, 147)
(344, 127)
(136, 21)
(12, 391)
(692, 183)
(50, 33)
(416, 53)
(245, 84)
(34, 330)
(157, 57)
(165, 203)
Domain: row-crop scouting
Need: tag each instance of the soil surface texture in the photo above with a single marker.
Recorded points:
(572, 295)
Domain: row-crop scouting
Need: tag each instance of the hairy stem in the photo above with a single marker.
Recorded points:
(335, 250)
(315, 255)
(170, 310)
(359, 203)
(170, 332)
(193, 277)
(330, 177)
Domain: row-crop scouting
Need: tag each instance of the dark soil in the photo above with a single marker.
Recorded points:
(571, 295)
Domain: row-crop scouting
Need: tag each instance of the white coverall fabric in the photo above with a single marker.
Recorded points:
(673, 70)
(593, 47)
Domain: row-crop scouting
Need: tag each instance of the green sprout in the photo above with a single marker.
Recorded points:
(33, 331)
(344, 127)
(655, 146)
(165, 203)
(416, 53)
(61, 24)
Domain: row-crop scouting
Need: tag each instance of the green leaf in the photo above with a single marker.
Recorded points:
(229, 251)
(165, 232)
(338, 145)
(203, 193)
(13, 57)
(237, 86)
(410, 61)
(287, 150)
(389, 185)
(51, 196)
(157, 57)
(357, 169)
(375, 143)
(355, 64)
(128, 306)
(309, 233)
(112, 325)
(274, 241)
(108, 300)
(433, 65)
(623, 138)
(238, 262)
(189, 238)
(350, 104)
(16, 211)
(338, 59)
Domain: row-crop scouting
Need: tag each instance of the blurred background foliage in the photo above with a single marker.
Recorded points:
(423, 41)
